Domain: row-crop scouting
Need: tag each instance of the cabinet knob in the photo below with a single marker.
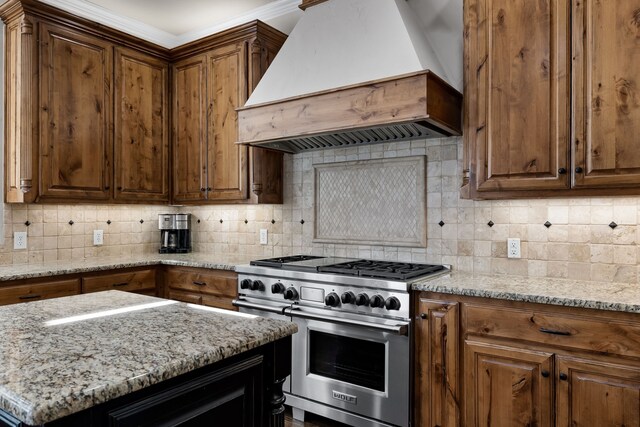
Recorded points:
(119, 188)
(107, 187)
(208, 188)
(545, 374)
(423, 315)
(203, 189)
(562, 171)
(578, 169)
(563, 376)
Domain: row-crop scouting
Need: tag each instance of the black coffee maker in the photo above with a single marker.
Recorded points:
(175, 233)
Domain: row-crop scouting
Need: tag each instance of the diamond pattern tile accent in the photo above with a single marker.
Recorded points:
(359, 202)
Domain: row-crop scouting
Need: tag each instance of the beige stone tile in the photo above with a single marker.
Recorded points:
(626, 254)
(602, 254)
(579, 270)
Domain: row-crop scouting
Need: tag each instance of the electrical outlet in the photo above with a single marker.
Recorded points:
(20, 240)
(263, 236)
(98, 237)
(513, 248)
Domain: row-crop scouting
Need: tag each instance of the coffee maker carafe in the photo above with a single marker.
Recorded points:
(175, 233)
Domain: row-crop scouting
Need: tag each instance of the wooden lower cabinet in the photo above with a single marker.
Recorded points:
(597, 392)
(214, 288)
(138, 281)
(523, 364)
(34, 290)
(437, 383)
(507, 386)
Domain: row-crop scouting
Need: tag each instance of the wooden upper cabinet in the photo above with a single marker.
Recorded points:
(75, 124)
(190, 126)
(227, 162)
(507, 386)
(517, 89)
(597, 392)
(141, 143)
(606, 90)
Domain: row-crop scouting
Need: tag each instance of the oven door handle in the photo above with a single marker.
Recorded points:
(247, 304)
(398, 329)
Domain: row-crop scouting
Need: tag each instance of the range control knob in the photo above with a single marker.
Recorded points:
(362, 299)
(332, 300)
(377, 301)
(277, 288)
(257, 285)
(246, 283)
(291, 293)
(392, 303)
(348, 298)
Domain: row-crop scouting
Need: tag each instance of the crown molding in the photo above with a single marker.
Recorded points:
(162, 38)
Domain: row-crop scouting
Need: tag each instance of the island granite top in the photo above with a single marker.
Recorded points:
(55, 363)
(55, 268)
(570, 293)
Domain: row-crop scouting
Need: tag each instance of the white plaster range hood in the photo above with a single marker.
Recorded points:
(351, 72)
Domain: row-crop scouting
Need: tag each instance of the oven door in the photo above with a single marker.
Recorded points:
(360, 366)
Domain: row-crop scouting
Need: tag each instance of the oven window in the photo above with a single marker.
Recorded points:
(351, 360)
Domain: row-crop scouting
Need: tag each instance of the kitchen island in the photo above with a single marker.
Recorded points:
(116, 358)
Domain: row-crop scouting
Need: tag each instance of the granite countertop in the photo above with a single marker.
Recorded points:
(54, 365)
(55, 268)
(571, 293)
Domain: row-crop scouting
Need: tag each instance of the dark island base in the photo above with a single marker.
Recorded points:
(242, 391)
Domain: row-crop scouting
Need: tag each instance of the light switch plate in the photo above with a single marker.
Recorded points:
(263, 236)
(98, 237)
(20, 240)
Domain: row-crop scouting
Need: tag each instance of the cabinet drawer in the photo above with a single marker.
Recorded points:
(600, 334)
(184, 297)
(142, 280)
(218, 302)
(39, 291)
(205, 281)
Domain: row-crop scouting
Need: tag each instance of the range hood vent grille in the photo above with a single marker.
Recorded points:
(402, 132)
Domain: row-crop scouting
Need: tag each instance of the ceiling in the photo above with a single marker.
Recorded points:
(170, 23)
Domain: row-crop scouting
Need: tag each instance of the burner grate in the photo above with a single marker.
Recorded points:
(381, 269)
(279, 262)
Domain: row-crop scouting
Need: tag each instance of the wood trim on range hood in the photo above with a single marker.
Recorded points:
(411, 106)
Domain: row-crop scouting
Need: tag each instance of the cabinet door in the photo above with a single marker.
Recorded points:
(189, 129)
(227, 172)
(35, 291)
(597, 393)
(141, 164)
(607, 93)
(436, 400)
(507, 386)
(75, 96)
(518, 93)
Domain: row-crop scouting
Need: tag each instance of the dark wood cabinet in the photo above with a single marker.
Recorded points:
(507, 386)
(18, 291)
(517, 94)
(214, 288)
(189, 134)
(603, 392)
(139, 281)
(551, 107)
(437, 400)
(75, 122)
(211, 78)
(606, 66)
(141, 127)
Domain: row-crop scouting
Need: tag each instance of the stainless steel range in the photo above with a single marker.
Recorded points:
(351, 355)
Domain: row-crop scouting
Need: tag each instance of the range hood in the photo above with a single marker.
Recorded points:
(351, 72)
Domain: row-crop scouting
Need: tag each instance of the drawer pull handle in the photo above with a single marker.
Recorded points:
(30, 296)
(545, 374)
(115, 285)
(554, 332)
(199, 283)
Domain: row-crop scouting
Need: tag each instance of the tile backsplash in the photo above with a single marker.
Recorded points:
(579, 243)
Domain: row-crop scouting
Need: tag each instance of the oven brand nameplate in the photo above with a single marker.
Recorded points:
(311, 294)
(343, 397)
